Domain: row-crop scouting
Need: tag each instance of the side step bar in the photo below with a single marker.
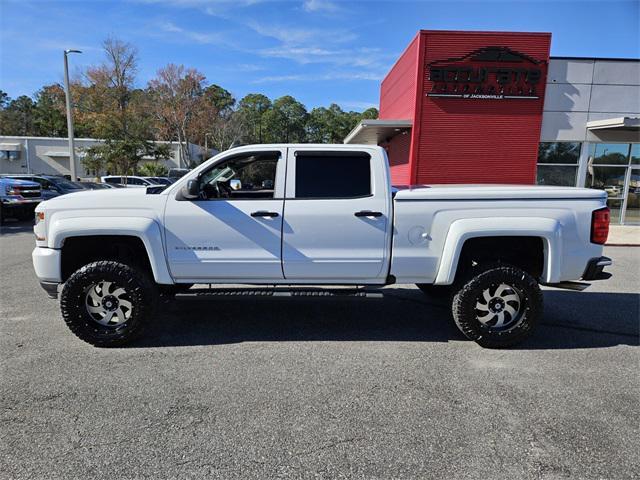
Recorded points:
(203, 293)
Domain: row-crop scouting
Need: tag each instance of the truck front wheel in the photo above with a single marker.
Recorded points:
(498, 307)
(108, 303)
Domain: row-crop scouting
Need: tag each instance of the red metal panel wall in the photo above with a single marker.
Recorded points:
(398, 152)
(470, 140)
(398, 89)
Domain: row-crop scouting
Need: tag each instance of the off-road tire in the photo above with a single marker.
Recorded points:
(138, 285)
(468, 292)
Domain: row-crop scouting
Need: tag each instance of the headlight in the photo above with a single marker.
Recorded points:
(38, 229)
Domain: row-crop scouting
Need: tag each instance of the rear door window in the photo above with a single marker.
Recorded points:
(333, 175)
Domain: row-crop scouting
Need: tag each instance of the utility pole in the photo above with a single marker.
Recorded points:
(67, 91)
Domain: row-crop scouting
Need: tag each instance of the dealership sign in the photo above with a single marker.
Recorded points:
(489, 73)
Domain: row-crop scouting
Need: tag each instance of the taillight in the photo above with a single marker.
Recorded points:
(600, 225)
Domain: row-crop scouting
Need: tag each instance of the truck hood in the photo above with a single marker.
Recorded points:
(493, 192)
(87, 199)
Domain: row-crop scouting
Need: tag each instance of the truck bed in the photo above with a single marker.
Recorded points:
(493, 192)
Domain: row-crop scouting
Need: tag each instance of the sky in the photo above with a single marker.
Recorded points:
(319, 51)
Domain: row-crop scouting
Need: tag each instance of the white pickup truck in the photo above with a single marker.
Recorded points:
(323, 215)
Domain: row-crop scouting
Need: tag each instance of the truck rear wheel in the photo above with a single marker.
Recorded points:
(498, 307)
(108, 303)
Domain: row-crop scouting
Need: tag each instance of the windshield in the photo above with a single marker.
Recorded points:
(65, 184)
(219, 174)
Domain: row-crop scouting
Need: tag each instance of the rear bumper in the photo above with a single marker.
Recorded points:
(595, 269)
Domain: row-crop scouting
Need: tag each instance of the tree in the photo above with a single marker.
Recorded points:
(94, 159)
(175, 96)
(4, 99)
(252, 108)
(332, 125)
(227, 130)
(212, 120)
(369, 114)
(151, 169)
(50, 115)
(18, 117)
(107, 103)
(285, 121)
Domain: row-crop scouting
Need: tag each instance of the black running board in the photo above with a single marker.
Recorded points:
(203, 293)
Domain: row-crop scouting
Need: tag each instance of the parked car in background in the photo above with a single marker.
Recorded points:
(129, 181)
(162, 180)
(613, 190)
(51, 185)
(18, 198)
(99, 186)
(176, 173)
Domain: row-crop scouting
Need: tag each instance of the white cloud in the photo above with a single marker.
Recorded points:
(365, 58)
(321, 77)
(202, 38)
(349, 104)
(319, 6)
(301, 36)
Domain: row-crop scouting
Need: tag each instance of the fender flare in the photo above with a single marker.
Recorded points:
(462, 230)
(146, 229)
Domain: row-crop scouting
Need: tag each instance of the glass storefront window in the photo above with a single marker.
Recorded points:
(611, 180)
(559, 152)
(635, 154)
(558, 163)
(632, 213)
(609, 154)
(556, 175)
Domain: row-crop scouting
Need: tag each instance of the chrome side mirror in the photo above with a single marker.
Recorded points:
(235, 184)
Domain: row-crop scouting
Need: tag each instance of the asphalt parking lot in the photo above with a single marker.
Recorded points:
(243, 387)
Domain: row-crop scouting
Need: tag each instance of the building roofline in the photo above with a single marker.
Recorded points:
(502, 32)
(416, 38)
(610, 59)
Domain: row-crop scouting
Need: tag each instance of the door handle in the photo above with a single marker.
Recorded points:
(367, 213)
(264, 213)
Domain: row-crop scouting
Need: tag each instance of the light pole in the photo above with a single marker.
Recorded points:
(67, 91)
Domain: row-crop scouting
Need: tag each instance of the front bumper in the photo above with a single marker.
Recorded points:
(47, 264)
(51, 288)
(9, 202)
(595, 269)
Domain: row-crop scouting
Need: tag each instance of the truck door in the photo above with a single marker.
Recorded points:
(337, 216)
(233, 231)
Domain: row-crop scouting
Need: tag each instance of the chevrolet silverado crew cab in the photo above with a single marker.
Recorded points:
(316, 215)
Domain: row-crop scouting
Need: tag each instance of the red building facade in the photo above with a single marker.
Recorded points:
(474, 103)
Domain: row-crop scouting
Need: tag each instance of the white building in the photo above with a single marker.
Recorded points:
(50, 155)
(590, 132)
